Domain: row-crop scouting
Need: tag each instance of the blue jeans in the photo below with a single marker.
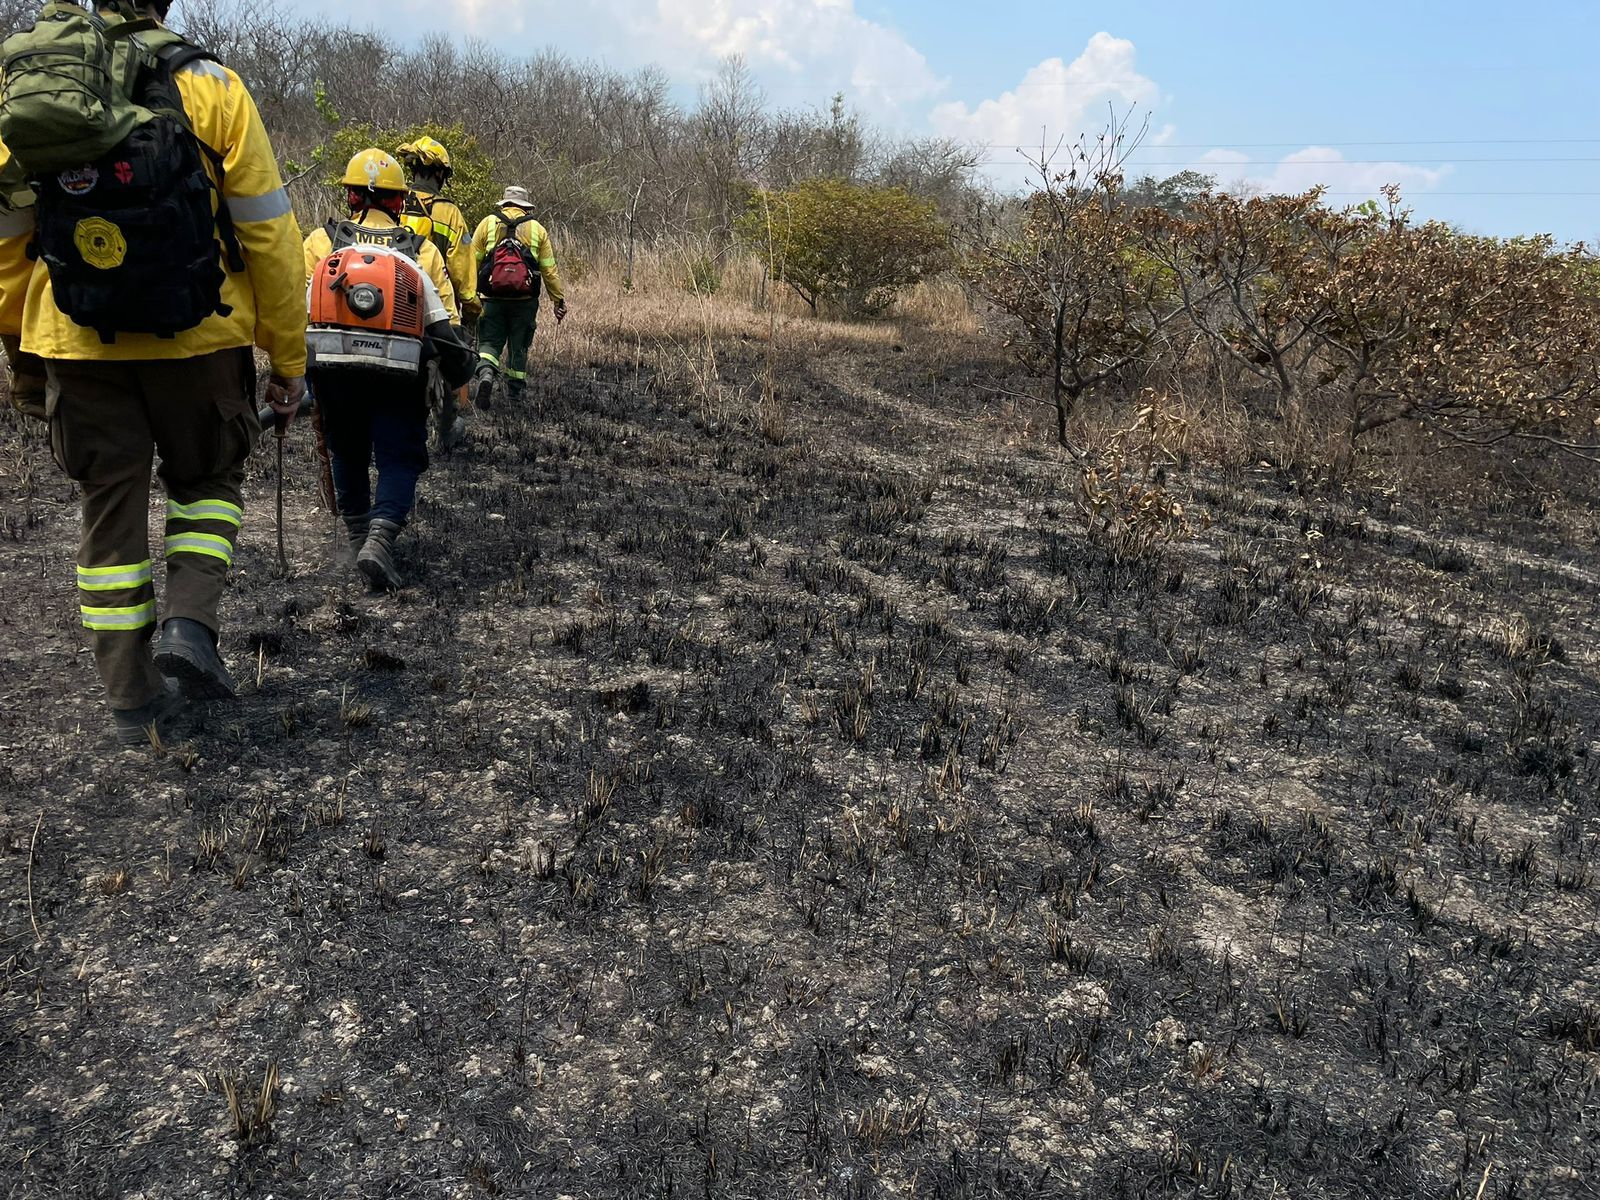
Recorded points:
(369, 421)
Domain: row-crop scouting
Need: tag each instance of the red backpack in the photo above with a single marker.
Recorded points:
(510, 271)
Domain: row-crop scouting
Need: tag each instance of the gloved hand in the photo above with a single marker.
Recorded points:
(283, 396)
(471, 308)
(561, 311)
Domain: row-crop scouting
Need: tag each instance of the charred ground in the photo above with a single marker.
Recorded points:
(781, 796)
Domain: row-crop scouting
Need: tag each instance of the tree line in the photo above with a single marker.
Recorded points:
(1339, 321)
(599, 149)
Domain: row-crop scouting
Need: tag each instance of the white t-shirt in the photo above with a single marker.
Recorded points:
(433, 309)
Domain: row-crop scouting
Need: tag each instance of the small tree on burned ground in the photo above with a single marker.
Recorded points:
(1476, 339)
(1068, 284)
(846, 247)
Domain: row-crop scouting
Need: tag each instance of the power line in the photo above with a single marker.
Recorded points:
(1304, 144)
(1334, 162)
(1341, 162)
(1429, 195)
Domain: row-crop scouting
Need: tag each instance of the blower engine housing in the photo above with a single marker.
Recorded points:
(366, 312)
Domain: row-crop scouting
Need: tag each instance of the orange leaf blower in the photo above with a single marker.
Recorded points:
(366, 312)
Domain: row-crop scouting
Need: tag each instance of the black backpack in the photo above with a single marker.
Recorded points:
(344, 234)
(418, 216)
(135, 241)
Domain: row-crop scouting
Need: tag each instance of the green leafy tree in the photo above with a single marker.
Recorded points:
(844, 246)
(474, 184)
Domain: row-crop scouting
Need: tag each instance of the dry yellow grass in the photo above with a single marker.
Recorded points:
(662, 312)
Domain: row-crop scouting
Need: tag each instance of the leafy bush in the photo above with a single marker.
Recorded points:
(474, 185)
(1380, 319)
(703, 276)
(846, 246)
(1357, 318)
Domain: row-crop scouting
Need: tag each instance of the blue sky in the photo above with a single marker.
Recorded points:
(1487, 113)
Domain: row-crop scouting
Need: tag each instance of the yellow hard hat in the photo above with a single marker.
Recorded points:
(426, 154)
(374, 169)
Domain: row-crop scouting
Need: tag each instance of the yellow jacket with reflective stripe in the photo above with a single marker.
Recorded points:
(318, 245)
(267, 298)
(531, 233)
(451, 224)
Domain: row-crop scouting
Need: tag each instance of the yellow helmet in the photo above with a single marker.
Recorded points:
(374, 169)
(426, 154)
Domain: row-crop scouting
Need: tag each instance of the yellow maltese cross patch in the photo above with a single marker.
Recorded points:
(100, 242)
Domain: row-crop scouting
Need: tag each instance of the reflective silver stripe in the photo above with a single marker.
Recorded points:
(259, 208)
(203, 66)
(114, 579)
(200, 543)
(205, 510)
(135, 616)
(16, 222)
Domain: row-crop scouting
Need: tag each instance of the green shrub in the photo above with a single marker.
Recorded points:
(473, 185)
(704, 276)
(846, 247)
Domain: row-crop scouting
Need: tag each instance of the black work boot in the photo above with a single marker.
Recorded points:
(483, 389)
(452, 430)
(187, 652)
(514, 390)
(133, 726)
(376, 560)
(355, 530)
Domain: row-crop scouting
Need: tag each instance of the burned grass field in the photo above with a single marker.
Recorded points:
(766, 789)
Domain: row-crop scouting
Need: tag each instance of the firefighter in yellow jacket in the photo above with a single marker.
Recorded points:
(117, 399)
(375, 191)
(376, 421)
(514, 256)
(440, 220)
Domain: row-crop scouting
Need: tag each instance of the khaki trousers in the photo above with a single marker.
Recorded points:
(108, 422)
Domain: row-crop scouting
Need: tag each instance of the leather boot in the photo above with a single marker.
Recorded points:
(483, 389)
(356, 529)
(133, 726)
(187, 652)
(376, 560)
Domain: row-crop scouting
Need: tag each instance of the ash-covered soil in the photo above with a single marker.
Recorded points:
(801, 806)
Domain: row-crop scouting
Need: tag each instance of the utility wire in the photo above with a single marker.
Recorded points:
(1331, 162)
(1305, 144)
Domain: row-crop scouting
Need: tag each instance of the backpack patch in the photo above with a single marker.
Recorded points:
(344, 234)
(79, 181)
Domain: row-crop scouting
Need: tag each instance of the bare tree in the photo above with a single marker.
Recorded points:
(1066, 286)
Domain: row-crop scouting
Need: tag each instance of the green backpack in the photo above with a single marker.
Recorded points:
(130, 220)
(67, 94)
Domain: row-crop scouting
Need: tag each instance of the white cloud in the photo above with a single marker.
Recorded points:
(801, 50)
(1056, 101)
(1319, 165)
